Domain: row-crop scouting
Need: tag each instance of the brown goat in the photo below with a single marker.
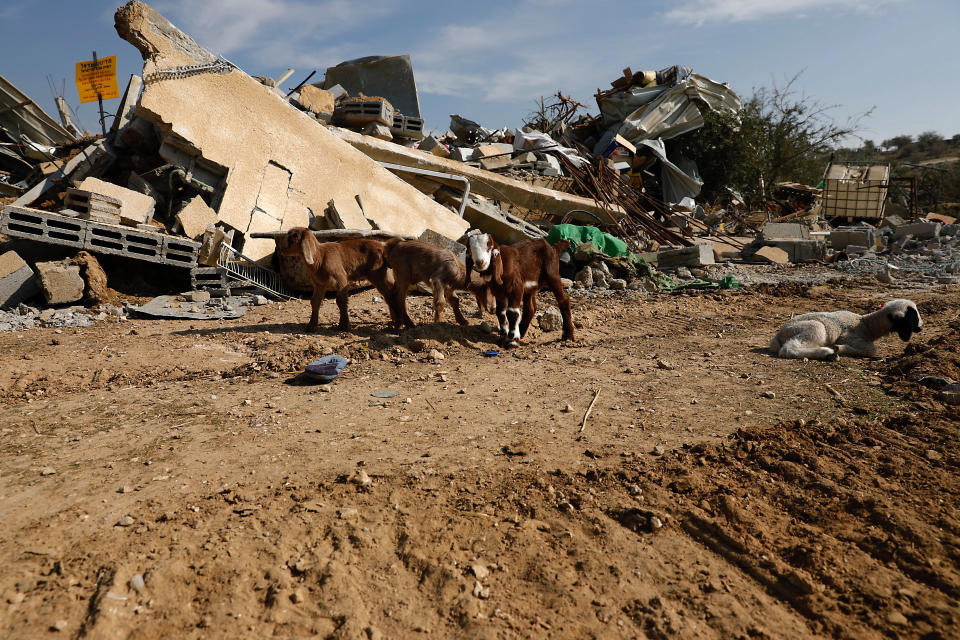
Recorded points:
(334, 265)
(514, 275)
(413, 261)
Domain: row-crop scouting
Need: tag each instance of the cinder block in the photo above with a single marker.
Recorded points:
(124, 241)
(195, 217)
(407, 126)
(358, 112)
(17, 281)
(180, 252)
(61, 282)
(434, 146)
(212, 279)
(43, 226)
(695, 256)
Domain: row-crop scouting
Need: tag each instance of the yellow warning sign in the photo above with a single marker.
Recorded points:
(97, 77)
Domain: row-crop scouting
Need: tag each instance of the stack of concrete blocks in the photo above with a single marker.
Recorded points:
(795, 239)
(88, 205)
(17, 282)
(136, 208)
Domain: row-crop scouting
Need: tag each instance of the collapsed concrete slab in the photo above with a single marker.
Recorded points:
(277, 161)
(485, 183)
(195, 217)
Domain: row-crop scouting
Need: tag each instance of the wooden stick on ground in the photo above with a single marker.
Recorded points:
(583, 423)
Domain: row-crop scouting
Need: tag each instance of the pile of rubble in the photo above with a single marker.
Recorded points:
(349, 155)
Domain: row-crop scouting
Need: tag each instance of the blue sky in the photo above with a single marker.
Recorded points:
(490, 61)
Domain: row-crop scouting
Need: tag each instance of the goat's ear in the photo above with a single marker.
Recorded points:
(307, 247)
(913, 317)
(496, 262)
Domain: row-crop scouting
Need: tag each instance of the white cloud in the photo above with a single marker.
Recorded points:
(700, 12)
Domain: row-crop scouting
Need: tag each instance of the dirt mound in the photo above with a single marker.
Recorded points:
(938, 357)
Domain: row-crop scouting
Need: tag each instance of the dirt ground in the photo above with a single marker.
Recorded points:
(714, 492)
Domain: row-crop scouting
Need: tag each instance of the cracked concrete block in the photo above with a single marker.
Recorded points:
(195, 217)
(17, 282)
(254, 129)
(135, 207)
(260, 248)
(60, 281)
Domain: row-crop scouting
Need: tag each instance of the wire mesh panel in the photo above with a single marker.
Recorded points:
(248, 273)
(855, 191)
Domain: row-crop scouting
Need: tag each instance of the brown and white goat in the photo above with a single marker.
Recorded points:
(413, 261)
(334, 265)
(514, 275)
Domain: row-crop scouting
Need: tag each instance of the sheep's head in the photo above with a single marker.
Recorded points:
(904, 318)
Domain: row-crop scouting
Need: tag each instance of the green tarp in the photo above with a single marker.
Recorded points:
(577, 235)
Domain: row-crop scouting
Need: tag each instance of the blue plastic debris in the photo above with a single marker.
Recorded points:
(327, 368)
(490, 353)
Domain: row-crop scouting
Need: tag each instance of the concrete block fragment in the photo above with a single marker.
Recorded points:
(802, 250)
(434, 146)
(772, 255)
(892, 221)
(377, 130)
(60, 282)
(695, 256)
(492, 164)
(842, 237)
(209, 251)
(316, 100)
(17, 281)
(195, 217)
(784, 231)
(135, 207)
(919, 230)
(462, 154)
(485, 150)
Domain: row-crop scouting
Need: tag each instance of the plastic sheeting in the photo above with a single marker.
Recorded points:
(675, 183)
(535, 140)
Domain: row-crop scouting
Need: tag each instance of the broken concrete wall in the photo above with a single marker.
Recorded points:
(282, 166)
(485, 183)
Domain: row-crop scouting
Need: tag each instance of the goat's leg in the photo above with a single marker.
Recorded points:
(319, 293)
(502, 318)
(513, 318)
(400, 300)
(342, 296)
(455, 305)
(438, 295)
(529, 310)
(563, 302)
(379, 280)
